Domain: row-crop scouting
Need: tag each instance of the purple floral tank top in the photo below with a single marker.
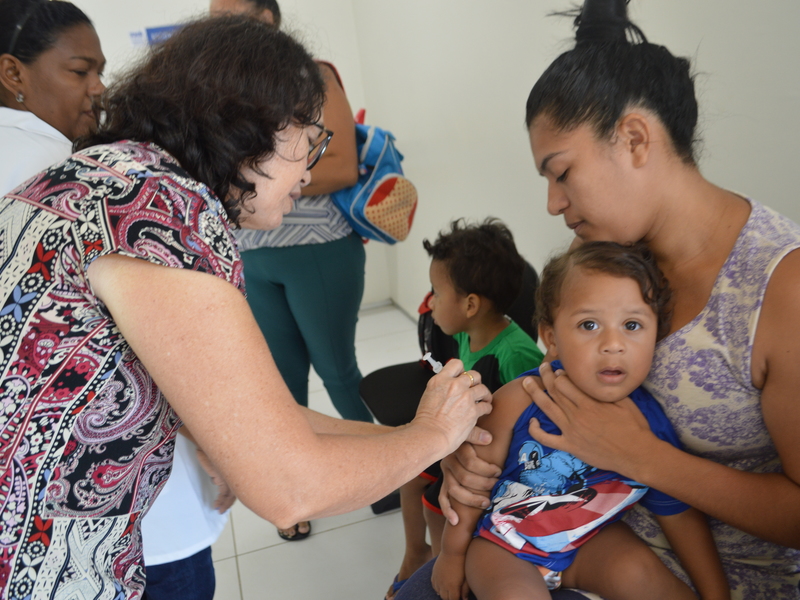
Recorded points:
(701, 376)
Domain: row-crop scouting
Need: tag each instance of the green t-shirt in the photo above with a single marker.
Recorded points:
(510, 353)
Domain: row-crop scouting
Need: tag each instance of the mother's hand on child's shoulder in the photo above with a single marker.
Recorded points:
(607, 435)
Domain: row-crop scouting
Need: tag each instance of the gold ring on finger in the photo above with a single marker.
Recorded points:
(471, 378)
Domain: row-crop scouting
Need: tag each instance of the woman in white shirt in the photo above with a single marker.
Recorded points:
(50, 69)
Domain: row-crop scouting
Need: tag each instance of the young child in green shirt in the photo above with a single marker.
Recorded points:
(476, 275)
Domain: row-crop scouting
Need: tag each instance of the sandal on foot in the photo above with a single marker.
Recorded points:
(396, 585)
(297, 535)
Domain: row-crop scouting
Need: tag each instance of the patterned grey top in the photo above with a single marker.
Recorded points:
(313, 220)
(701, 376)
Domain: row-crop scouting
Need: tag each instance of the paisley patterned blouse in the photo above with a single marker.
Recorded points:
(701, 376)
(86, 437)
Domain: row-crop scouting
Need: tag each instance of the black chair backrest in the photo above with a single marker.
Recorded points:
(524, 306)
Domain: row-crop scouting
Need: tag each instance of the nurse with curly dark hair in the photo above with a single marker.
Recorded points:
(123, 316)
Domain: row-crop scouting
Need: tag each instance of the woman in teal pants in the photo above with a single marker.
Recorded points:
(305, 299)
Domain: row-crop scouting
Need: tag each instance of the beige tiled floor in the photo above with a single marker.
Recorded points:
(349, 556)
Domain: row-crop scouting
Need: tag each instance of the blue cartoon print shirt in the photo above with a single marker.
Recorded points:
(547, 503)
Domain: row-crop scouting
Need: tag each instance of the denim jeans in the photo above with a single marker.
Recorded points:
(187, 579)
(419, 587)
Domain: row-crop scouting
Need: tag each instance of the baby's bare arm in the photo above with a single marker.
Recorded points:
(448, 572)
(690, 537)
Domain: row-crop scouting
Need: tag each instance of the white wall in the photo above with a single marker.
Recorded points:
(450, 79)
(326, 27)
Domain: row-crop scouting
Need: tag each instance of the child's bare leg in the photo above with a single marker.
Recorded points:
(493, 572)
(435, 523)
(617, 565)
(417, 552)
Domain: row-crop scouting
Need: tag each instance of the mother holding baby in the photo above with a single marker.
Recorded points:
(612, 125)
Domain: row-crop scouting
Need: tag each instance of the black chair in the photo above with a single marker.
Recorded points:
(392, 393)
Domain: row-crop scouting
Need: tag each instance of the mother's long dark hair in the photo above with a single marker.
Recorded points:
(612, 68)
(214, 96)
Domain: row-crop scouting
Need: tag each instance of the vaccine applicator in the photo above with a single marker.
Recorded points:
(435, 364)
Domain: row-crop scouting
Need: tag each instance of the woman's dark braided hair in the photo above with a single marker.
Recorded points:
(30, 27)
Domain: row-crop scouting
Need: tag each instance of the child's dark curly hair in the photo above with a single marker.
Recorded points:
(633, 261)
(481, 259)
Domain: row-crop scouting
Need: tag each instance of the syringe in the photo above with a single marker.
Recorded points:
(435, 364)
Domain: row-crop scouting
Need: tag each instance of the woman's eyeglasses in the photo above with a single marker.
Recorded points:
(318, 148)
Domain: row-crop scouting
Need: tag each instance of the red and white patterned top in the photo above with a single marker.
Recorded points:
(86, 437)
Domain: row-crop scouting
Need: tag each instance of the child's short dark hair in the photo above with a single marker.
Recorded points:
(634, 261)
(481, 259)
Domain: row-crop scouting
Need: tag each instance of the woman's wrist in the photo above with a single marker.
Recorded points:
(433, 435)
(646, 463)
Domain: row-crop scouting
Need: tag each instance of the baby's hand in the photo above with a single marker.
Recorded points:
(448, 577)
